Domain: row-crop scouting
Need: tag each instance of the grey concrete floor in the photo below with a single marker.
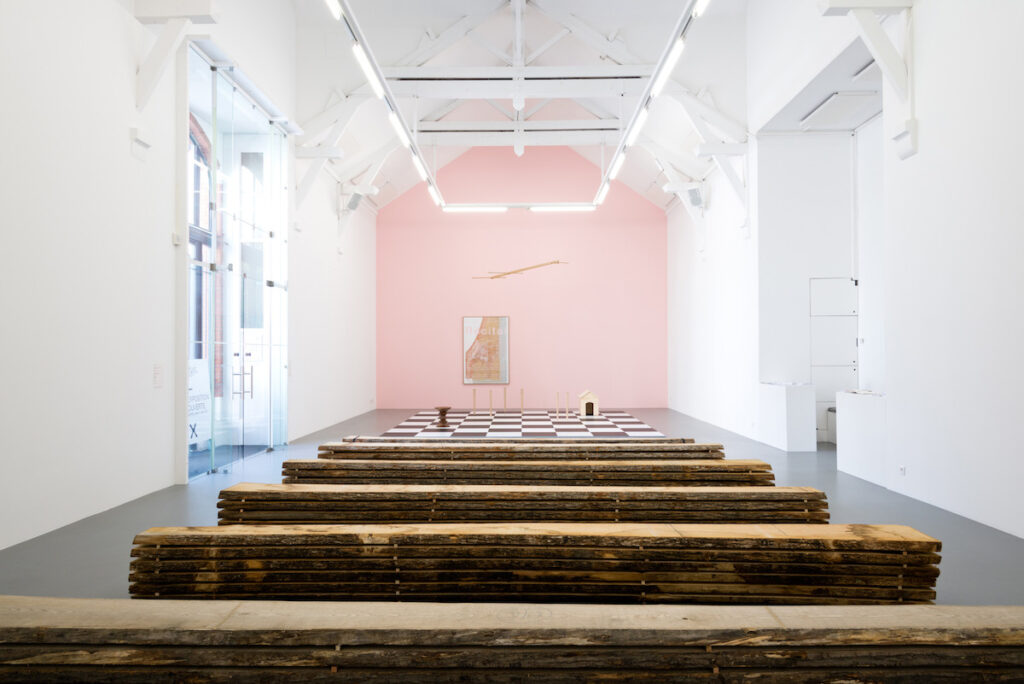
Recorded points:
(89, 558)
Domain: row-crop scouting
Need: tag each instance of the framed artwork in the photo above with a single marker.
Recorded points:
(485, 350)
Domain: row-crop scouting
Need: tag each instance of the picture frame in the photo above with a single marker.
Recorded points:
(485, 344)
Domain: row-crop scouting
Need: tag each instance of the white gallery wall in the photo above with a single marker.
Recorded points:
(332, 318)
(90, 361)
(88, 358)
(954, 322)
(869, 211)
(712, 312)
(332, 262)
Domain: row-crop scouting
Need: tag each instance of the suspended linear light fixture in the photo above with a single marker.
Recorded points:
(335, 8)
(638, 124)
(475, 208)
(420, 168)
(668, 67)
(403, 135)
(434, 194)
(378, 84)
(616, 166)
(601, 193)
(662, 73)
(371, 75)
(581, 206)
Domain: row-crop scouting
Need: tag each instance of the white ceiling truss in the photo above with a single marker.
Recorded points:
(896, 67)
(525, 73)
(177, 18)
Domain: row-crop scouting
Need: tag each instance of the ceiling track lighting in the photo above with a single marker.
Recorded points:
(564, 207)
(475, 208)
(420, 168)
(335, 7)
(617, 166)
(403, 135)
(368, 72)
(668, 67)
(435, 195)
(375, 78)
(638, 124)
(662, 73)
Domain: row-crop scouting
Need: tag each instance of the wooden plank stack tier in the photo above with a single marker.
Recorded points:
(543, 440)
(537, 450)
(540, 562)
(117, 640)
(284, 504)
(665, 472)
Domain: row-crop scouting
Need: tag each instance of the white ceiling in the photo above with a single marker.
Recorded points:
(600, 50)
(851, 73)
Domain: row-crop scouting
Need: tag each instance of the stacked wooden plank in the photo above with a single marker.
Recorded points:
(543, 440)
(538, 450)
(105, 640)
(283, 504)
(662, 472)
(540, 562)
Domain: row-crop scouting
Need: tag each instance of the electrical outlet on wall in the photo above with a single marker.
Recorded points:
(903, 470)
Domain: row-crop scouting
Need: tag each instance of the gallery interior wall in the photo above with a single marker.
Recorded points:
(712, 312)
(597, 322)
(88, 367)
(94, 376)
(332, 313)
(954, 325)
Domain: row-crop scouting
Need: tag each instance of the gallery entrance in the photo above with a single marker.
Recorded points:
(238, 273)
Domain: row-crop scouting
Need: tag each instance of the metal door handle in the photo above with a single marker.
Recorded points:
(252, 382)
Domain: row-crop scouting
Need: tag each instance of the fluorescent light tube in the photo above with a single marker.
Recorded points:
(617, 165)
(668, 67)
(403, 135)
(434, 194)
(335, 8)
(563, 207)
(475, 208)
(420, 169)
(698, 9)
(601, 194)
(634, 132)
(371, 75)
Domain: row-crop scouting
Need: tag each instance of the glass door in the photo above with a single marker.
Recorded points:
(239, 270)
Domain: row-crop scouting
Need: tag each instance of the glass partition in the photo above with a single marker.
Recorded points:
(238, 249)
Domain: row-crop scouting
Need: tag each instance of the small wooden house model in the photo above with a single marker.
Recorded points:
(588, 405)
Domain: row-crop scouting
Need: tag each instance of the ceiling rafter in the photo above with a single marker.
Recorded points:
(612, 48)
(525, 125)
(688, 165)
(486, 45)
(432, 47)
(550, 43)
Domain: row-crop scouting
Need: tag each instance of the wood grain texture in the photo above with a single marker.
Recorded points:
(545, 562)
(115, 640)
(517, 450)
(288, 504)
(544, 440)
(697, 472)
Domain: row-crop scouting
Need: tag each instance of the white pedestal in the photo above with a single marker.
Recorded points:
(860, 436)
(786, 416)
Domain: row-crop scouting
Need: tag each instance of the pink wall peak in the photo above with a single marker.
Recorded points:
(597, 322)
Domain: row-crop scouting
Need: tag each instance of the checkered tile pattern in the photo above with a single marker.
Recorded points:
(513, 424)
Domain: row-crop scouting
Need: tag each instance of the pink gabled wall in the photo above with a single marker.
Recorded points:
(597, 322)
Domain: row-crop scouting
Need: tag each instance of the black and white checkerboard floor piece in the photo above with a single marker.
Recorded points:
(527, 424)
